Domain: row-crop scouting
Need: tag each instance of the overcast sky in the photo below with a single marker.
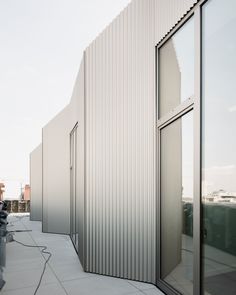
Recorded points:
(41, 46)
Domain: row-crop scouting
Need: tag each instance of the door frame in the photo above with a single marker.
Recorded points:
(73, 172)
(193, 103)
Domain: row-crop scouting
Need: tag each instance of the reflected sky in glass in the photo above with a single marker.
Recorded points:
(176, 201)
(187, 157)
(184, 47)
(219, 146)
(176, 69)
(219, 96)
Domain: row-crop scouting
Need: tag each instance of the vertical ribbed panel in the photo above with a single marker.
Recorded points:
(120, 140)
(168, 13)
(36, 184)
(56, 173)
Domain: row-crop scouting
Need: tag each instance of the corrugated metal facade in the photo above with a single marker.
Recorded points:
(120, 140)
(36, 184)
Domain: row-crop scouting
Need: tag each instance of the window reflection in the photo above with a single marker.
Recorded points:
(219, 146)
(176, 69)
(177, 204)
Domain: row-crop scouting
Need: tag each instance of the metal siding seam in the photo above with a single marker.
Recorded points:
(88, 160)
(114, 144)
(100, 167)
(125, 148)
(122, 192)
(105, 162)
(109, 156)
(144, 142)
(101, 159)
(97, 150)
(100, 139)
(102, 249)
(152, 233)
(113, 135)
(119, 130)
(91, 160)
(145, 107)
(94, 158)
(128, 214)
(130, 179)
(106, 193)
(144, 171)
(109, 153)
(116, 57)
(118, 160)
(91, 157)
(132, 155)
(90, 183)
(85, 164)
(139, 132)
(133, 123)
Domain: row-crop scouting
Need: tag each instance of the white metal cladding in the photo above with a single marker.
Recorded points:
(120, 140)
(36, 184)
(56, 173)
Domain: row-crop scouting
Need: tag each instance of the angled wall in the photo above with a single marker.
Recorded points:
(77, 113)
(56, 173)
(36, 184)
(121, 140)
(114, 104)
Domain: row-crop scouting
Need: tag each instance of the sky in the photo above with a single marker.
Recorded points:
(41, 46)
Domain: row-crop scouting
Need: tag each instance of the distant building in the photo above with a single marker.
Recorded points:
(220, 196)
(2, 190)
(26, 193)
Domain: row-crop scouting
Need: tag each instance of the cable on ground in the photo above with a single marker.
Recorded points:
(43, 250)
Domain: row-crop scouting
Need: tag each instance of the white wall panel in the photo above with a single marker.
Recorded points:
(56, 173)
(56, 165)
(120, 139)
(36, 184)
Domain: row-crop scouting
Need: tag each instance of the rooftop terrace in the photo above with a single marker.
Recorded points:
(63, 274)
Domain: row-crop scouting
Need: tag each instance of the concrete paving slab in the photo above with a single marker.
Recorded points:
(64, 273)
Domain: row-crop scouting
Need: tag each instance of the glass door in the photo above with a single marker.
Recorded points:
(196, 156)
(219, 147)
(176, 203)
(73, 173)
(176, 161)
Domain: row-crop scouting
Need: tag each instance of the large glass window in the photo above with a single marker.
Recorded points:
(177, 204)
(176, 69)
(219, 146)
